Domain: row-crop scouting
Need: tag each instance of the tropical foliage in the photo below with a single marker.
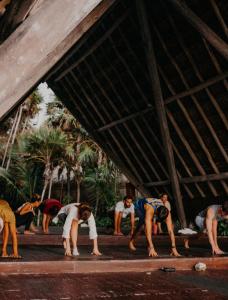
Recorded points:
(30, 157)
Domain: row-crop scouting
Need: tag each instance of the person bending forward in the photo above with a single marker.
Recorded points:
(76, 214)
(148, 209)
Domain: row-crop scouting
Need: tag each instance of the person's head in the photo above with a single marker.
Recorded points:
(53, 211)
(35, 200)
(127, 201)
(84, 211)
(161, 213)
(164, 197)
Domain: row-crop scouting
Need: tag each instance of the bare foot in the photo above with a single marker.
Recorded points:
(131, 246)
(4, 255)
(120, 234)
(186, 243)
(17, 256)
(29, 232)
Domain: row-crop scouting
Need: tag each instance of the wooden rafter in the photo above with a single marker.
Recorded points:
(201, 27)
(160, 107)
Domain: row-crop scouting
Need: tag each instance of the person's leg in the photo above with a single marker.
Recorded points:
(48, 219)
(74, 236)
(28, 218)
(12, 228)
(44, 222)
(5, 239)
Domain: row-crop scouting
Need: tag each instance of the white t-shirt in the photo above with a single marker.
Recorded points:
(125, 210)
(72, 214)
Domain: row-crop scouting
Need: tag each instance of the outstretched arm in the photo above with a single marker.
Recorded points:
(93, 234)
(132, 222)
(169, 225)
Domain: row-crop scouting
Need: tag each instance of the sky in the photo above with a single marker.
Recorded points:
(47, 95)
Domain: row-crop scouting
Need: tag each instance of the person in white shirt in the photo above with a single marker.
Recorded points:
(74, 214)
(122, 210)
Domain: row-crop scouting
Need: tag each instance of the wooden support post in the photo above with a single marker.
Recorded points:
(40, 42)
(160, 107)
(201, 27)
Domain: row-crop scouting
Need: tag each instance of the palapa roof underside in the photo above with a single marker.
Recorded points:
(106, 83)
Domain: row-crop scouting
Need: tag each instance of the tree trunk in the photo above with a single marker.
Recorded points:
(42, 198)
(14, 136)
(10, 136)
(68, 184)
(78, 190)
(50, 185)
(97, 202)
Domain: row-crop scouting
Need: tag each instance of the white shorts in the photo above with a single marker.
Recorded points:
(200, 222)
(1, 225)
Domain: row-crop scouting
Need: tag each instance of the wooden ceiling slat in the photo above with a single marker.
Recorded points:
(200, 110)
(183, 109)
(92, 48)
(201, 27)
(136, 173)
(106, 96)
(197, 88)
(189, 149)
(202, 194)
(219, 16)
(194, 129)
(129, 130)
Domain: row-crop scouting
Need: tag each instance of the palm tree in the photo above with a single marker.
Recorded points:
(45, 146)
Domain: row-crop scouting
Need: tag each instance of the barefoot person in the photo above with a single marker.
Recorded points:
(75, 214)
(49, 208)
(148, 209)
(8, 225)
(208, 219)
(26, 213)
(122, 210)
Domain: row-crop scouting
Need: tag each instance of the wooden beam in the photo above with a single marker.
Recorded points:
(193, 179)
(201, 27)
(209, 177)
(219, 16)
(160, 107)
(93, 48)
(215, 62)
(197, 88)
(40, 42)
(157, 183)
(65, 95)
(195, 101)
(124, 119)
(15, 14)
(184, 110)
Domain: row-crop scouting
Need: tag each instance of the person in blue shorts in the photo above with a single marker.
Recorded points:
(150, 210)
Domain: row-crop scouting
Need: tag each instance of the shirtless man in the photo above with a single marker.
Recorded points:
(147, 209)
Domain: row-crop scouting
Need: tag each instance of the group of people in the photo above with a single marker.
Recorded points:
(151, 212)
